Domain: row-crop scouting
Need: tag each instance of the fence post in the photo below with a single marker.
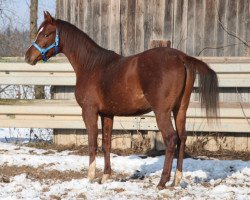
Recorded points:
(160, 43)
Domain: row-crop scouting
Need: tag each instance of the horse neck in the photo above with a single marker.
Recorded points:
(82, 52)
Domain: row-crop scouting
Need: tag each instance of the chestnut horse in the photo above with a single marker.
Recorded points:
(107, 84)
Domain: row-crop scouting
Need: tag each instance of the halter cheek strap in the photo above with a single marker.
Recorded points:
(44, 51)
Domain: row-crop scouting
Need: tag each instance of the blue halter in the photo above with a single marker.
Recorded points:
(43, 51)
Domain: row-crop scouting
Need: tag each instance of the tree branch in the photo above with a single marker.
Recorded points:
(227, 31)
(2, 90)
(219, 47)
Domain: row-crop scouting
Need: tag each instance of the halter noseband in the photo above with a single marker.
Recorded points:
(43, 51)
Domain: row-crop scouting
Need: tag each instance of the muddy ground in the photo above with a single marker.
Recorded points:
(194, 153)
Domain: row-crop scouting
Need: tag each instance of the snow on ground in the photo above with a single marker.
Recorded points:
(203, 179)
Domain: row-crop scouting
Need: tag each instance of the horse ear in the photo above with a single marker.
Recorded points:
(48, 17)
(44, 14)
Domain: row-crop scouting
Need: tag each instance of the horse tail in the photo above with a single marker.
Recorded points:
(207, 86)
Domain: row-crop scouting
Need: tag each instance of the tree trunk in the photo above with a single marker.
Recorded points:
(33, 19)
(39, 90)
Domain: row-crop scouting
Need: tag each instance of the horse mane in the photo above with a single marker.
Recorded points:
(87, 52)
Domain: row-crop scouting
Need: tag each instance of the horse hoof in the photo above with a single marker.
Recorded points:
(161, 187)
(105, 177)
(91, 180)
(91, 177)
(174, 184)
(177, 179)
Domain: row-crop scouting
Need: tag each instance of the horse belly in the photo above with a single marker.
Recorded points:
(127, 103)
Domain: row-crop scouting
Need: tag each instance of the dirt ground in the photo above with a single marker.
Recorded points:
(199, 154)
(41, 174)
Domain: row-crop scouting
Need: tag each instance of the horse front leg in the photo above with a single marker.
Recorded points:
(107, 125)
(90, 118)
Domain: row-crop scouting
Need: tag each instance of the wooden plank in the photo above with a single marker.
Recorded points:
(130, 27)
(247, 24)
(40, 67)
(226, 141)
(241, 142)
(139, 26)
(178, 28)
(67, 68)
(225, 59)
(220, 18)
(59, 59)
(230, 75)
(105, 13)
(190, 27)
(183, 44)
(148, 23)
(96, 14)
(240, 27)
(243, 68)
(199, 22)
(72, 12)
(88, 18)
(38, 79)
(59, 9)
(209, 27)
(158, 19)
(70, 107)
(120, 123)
(248, 142)
(168, 21)
(58, 93)
(124, 41)
(152, 137)
(231, 22)
(68, 9)
(119, 140)
(115, 26)
(80, 14)
(62, 79)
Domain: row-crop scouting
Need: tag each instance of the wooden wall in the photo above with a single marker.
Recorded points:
(128, 26)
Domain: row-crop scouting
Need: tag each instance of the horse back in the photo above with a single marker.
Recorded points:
(129, 84)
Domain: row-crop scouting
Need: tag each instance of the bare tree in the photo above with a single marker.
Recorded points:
(33, 19)
(5, 12)
(39, 90)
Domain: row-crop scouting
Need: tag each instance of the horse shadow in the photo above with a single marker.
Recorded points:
(199, 170)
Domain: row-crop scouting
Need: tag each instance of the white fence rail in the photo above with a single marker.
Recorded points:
(66, 114)
(230, 74)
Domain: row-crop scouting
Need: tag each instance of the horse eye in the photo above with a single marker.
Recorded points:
(46, 35)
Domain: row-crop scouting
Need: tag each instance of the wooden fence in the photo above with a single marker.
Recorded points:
(208, 28)
(128, 26)
(65, 113)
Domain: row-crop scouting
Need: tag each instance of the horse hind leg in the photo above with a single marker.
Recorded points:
(179, 112)
(169, 137)
(180, 121)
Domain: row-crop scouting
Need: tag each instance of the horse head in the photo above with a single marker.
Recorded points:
(46, 43)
